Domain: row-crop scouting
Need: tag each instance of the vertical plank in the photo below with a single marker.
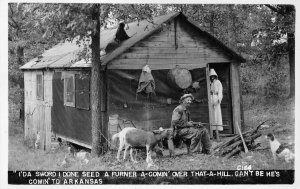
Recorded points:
(209, 100)
(35, 104)
(27, 84)
(47, 127)
(30, 104)
(48, 103)
(235, 92)
(42, 126)
(241, 102)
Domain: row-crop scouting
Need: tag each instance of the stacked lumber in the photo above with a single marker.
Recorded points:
(234, 146)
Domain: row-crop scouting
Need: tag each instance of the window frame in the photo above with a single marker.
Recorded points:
(66, 77)
(80, 90)
(39, 86)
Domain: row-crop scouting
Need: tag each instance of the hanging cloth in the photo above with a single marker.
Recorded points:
(146, 81)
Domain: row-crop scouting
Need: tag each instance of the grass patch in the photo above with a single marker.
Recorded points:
(23, 157)
(281, 112)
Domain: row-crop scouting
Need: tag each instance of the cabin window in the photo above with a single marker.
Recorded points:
(69, 90)
(39, 87)
(77, 90)
(82, 84)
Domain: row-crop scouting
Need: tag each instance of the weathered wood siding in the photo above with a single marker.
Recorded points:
(177, 43)
(38, 112)
(48, 103)
(29, 104)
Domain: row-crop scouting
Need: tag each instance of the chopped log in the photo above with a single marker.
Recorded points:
(255, 146)
(227, 135)
(229, 142)
(233, 146)
(256, 135)
(245, 134)
(228, 149)
(233, 152)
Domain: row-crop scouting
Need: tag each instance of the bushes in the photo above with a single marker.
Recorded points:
(264, 79)
(276, 83)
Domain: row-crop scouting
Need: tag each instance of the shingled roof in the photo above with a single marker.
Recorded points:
(65, 54)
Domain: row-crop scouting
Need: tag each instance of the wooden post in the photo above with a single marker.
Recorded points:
(210, 112)
(241, 103)
(235, 92)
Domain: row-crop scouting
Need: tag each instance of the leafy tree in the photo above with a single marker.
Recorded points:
(23, 45)
(285, 22)
(67, 21)
(257, 32)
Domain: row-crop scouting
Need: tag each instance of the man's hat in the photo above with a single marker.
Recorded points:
(212, 72)
(186, 96)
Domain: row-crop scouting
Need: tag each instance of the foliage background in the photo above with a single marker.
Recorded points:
(258, 32)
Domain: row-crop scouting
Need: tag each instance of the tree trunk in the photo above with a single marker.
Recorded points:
(231, 35)
(20, 80)
(95, 91)
(291, 50)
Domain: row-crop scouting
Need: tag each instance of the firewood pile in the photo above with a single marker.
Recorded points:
(234, 146)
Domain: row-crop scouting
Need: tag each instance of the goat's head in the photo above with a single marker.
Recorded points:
(165, 133)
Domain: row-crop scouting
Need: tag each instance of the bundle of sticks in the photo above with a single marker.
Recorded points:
(235, 145)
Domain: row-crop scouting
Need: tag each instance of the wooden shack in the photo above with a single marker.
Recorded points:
(57, 84)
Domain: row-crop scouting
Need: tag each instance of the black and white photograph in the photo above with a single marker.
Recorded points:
(132, 93)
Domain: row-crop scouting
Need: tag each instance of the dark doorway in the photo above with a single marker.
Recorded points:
(223, 71)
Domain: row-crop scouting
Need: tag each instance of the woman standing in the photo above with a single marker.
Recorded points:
(216, 95)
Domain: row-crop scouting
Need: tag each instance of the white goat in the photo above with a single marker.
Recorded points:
(132, 137)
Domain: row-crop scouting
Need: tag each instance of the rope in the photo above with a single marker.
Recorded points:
(124, 121)
(30, 114)
(106, 139)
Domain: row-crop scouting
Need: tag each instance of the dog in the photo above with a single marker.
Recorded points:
(279, 150)
(131, 137)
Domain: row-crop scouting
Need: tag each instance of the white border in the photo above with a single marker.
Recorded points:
(4, 89)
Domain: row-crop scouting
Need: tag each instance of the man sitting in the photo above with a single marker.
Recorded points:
(183, 127)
